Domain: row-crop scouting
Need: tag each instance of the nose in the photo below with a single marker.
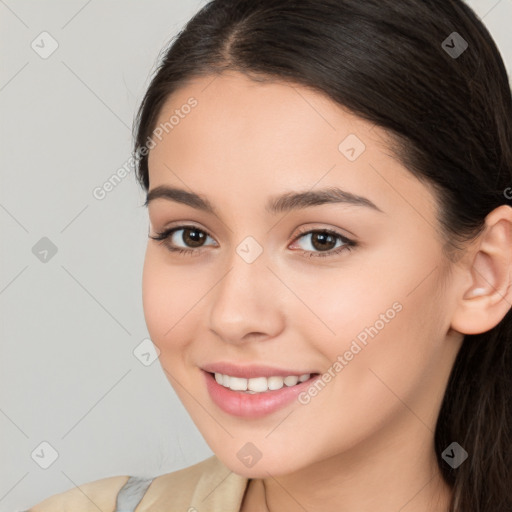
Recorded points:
(246, 304)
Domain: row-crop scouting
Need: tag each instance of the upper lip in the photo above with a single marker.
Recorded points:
(251, 371)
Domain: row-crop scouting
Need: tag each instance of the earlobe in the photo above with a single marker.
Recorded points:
(488, 297)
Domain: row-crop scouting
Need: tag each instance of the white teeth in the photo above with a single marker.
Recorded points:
(259, 384)
(275, 383)
(238, 384)
(291, 380)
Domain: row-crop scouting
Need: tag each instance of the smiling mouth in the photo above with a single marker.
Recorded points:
(257, 385)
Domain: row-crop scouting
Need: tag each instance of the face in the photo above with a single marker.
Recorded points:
(355, 293)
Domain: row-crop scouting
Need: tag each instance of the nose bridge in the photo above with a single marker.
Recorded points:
(246, 263)
(243, 302)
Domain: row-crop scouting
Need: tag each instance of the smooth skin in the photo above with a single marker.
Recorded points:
(366, 441)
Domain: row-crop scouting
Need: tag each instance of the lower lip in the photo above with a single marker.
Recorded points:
(256, 405)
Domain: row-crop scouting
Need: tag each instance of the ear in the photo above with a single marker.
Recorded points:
(483, 304)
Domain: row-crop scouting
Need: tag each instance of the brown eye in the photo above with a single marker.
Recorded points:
(191, 237)
(324, 241)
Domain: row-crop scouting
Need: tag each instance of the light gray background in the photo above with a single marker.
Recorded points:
(69, 325)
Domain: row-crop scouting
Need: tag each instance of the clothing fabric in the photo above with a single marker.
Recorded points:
(208, 486)
(131, 493)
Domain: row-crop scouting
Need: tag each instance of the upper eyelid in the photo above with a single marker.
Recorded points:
(307, 231)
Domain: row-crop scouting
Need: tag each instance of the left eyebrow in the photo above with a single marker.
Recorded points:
(282, 203)
(299, 200)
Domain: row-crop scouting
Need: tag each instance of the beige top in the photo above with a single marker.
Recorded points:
(208, 486)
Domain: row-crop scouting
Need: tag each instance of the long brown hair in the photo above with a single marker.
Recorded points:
(430, 73)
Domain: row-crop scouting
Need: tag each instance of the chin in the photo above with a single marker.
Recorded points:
(274, 465)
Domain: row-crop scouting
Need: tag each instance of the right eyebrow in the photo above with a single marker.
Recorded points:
(179, 195)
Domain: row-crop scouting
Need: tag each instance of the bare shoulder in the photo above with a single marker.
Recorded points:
(92, 496)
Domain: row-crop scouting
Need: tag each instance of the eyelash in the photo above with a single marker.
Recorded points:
(349, 244)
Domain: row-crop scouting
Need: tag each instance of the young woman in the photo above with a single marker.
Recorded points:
(329, 262)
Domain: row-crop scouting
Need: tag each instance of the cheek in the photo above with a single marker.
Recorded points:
(386, 325)
(392, 352)
(153, 299)
(164, 299)
(335, 306)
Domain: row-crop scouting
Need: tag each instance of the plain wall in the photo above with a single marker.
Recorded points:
(70, 323)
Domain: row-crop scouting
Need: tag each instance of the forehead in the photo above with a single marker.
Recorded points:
(253, 137)
(232, 107)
